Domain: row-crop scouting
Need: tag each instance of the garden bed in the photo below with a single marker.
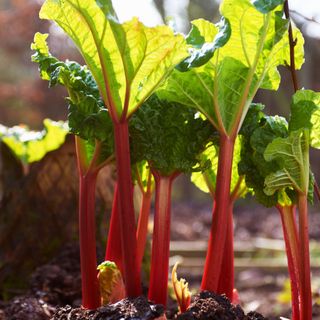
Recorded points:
(58, 282)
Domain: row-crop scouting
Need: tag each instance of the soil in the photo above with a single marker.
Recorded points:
(138, 308)
(55, 294)
(27, 308)
(208, 305)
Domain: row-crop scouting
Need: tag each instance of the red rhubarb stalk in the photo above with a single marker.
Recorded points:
(131, 273)
(87, 235)
(114, 248)
(290, 233)
(142, 229)
(226, 281)
(161, 239)
(220, 220)
(304, 270)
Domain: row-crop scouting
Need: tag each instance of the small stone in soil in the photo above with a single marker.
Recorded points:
(138, 308)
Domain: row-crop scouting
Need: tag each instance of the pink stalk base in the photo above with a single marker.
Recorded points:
(161, 240)
(226, 281)
(220, 220)
(304, 270)
(88, 257)
(131, 273)
(142, 229)
(114, 248)
(290, 234)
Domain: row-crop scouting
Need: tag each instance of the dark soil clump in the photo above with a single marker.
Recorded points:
(27, 308)
(208, 305)
(59, 282)
(138, 308)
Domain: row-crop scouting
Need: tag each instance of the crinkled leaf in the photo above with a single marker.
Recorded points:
(265, 6)
(256, 133)
(305, 113)
(292, 156)
(201, 55)
(252, 119)
(88, 118)
(128, 61)
(31, 146)
(169, 136)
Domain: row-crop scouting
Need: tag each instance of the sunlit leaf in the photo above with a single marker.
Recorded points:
(128, 61)
(224, 87)
(305, 113)
(143, 176)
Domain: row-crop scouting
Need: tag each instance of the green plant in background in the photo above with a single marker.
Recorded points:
(241, 55)
(31, 146)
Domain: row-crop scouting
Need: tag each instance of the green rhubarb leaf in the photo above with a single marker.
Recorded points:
(265, 6)
(169, 136)
(195, 38)
(224, 87)
(305, 113)
(31, 146)
(87, 117)
(128, 61)
(206, 180)
(200, 56)
(256, 133)
(292, 156)
(259, 39)
(143, 176)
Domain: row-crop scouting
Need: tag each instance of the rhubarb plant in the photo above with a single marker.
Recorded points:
(170, 137)
(275, 161)
(240, 55)
(92, 126)
(128, 62)
(292, 155)
(256, 133)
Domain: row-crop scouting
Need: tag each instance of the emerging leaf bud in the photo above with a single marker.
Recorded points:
(110, 282)
(181, 290)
